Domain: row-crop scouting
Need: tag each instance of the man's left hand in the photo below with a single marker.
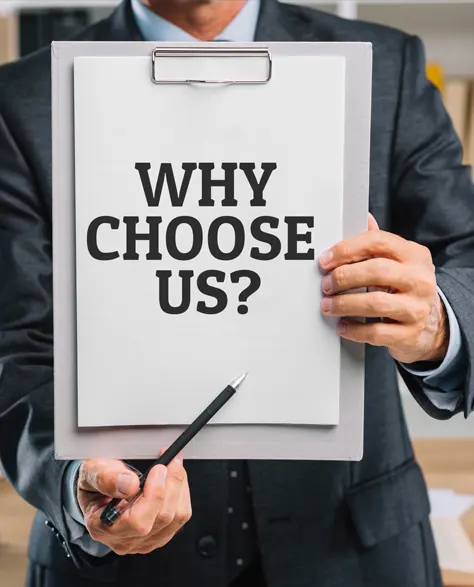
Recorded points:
(401, 282)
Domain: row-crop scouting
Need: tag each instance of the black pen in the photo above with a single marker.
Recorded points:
(116, 507)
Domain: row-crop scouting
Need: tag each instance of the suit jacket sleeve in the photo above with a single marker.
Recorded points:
(433, 204)
(26, 341)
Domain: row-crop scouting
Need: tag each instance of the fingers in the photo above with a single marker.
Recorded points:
(384, 273)
(177, 479)
(156, 509)
(136, 522)
(153, 520)
(376, 334)
(400, 282)
(183, 510)
(372, 222)
(398, 307)
(374, 243)
(142, 515)
(108, 477)
(183, 513)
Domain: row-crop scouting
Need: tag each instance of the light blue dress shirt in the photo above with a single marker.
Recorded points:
(443, 385)
(155, 28)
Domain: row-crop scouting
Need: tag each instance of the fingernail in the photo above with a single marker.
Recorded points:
(326, 283)
(161, 473)
(179, 458)
(326, 304)
(326, 256)
(125, 483)
(342, 327)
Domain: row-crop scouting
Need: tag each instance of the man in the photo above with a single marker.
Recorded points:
(280, 524)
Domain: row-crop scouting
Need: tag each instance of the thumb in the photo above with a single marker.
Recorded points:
(109, 477)
(373, 223)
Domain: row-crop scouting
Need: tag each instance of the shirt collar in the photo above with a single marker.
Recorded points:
(155, 28)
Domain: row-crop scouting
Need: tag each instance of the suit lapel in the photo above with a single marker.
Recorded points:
(285, 22)
(270, 26)
(120, 26)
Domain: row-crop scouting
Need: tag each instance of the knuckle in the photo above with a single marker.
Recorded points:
(426, 283)
(339, 277)
(371, 336)
(87, 476)
(83, 470)
(97, 480)
(379, 241)
(339, 305)
(183, 516)
(342, 250)
(429, 283)
(378, 268)
(97, 475)
(141, 527)
(178, 474)
(120, 549)
(374, 334)
(102, 481)
(425, 253)
(379, 304)
(87, 465)
(414, 312)
(165, 517)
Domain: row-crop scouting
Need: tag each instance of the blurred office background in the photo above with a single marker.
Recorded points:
(445, 449)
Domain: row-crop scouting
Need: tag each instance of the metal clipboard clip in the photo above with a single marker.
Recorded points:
(206, 52)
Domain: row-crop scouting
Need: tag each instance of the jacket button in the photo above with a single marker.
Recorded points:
(207, 546)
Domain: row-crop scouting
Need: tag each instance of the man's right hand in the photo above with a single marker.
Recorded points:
(153, 519)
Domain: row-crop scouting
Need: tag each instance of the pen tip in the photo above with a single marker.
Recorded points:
(238, 382)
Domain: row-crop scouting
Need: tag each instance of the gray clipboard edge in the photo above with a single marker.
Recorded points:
(342, 442)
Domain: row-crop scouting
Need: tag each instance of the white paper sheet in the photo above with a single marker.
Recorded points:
(455, 550)
(445, 503)
(138, 365)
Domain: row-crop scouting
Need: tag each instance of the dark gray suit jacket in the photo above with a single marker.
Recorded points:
(326, 524)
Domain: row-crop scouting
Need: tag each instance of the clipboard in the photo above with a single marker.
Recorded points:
(341, 442)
